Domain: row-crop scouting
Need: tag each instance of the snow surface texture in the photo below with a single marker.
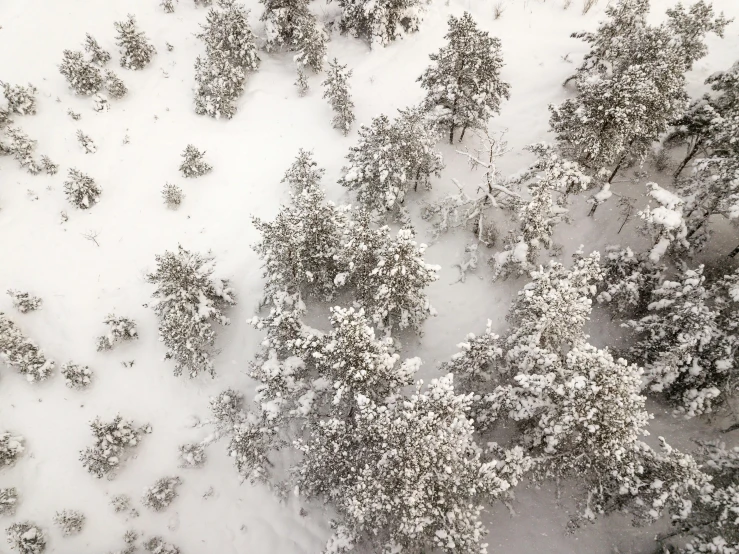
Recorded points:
(88, 263)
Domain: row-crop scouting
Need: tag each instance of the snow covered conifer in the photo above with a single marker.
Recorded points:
(159, 496)
(192, 455)
(112, 440)
(135, 49)
(172, 195)
(157, 545)
(24, 302)
(21, 147)
(21, 100)
(336, 90)
(22, 353)
(290, 24)
(8, 501)
(86, 142)
(115, 86)
(168, 6)
(70, 522)
(96, 52)
(119, 329)
(380, 22)
(26, 537)
(81, 190)
(690, 27)
(228, 33)
(463, 86)
(628, 280)
(665, 223)
(11, 447)
(50, 167)
(83, 76)
(220, 83)
(188, 300)
(304, 172)
(76, 376)
(193, 164)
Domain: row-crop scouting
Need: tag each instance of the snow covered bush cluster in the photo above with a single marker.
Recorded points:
(135, 49)
(120, 329)
(21, 353)
(380, 22)
(26, 537)
(161, 494)
(157, 545)
(24, 302)
(70, 522)
(112, 441)
(81, 190)
(20, 100)
(193, 164)
(11, 447)
(76, 376)
(172, 195)
(8, 501)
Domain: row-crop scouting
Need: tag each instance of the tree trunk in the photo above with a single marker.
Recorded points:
(451, 132)
(691, 152)
(418, 175)
(592, 210)
(618, 166)
(734, 252)
(461, 137)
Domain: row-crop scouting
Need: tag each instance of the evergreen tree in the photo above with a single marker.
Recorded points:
(219, 85)
(120, 329)
(96, 52)
(380, 22)
(665, 223)
(115, 86)
(464, 88)
(161, 494)
(26, 537)
(193, 164)
(8, 501)
(112, 440)
(83, 76)
(21, 100)
(172, 195)
(227, 35)
(291, 25)
(188, 299)
(81, 190)
(304, 173)
(70, 522)
(76, 376)
(628, 280)
(11, 447)
(336, 89)
(21, 147)
(135, 49)
(20, 352)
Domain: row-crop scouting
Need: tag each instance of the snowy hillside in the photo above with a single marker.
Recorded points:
(86, 263)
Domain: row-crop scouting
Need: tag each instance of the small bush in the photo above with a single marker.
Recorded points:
(76, 376)
(24, 302)
(159, 496)
(26, 537)
(8, 501)
(70, 522)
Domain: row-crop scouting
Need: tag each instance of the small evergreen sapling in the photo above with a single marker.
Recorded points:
(76, 376)
(49, 166)
(168, 5)
(380, 22)
(220, 83)
(21, 100)
(192, 455)
(120, 329)
(70, 522)
(304, 172)
(464, 87)
(193, 164)
(81, 190)
(21, 147)
(11, 447)
(628, 280)
(86, 142)
(114, 85)
(159, 496)
(172, 195)
(336, 90)
(24, 302)
(8, 501)
(135, 49)
(22, 353)
(97, 54)
(227, 33)
(665, 223)
(83, 76)
(157, 545)
(26, 537)
(112, 440)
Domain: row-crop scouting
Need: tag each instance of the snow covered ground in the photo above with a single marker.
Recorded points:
(81, 280)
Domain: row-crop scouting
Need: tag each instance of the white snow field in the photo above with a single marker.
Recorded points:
(94, 263)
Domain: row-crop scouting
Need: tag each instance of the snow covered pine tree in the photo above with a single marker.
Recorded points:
(135, 49)
(336, 89)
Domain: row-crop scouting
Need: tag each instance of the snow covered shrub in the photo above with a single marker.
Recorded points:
(290, 24)
(120, 503)
(336, 90)
(70, 522)
(83, 76)
(4, 119)
(135, 49)
(21, 100)
(115, 86)
(380, 22)
(76, 376)
(26, 537)
(464, 88)
(168, 5)
(24, 302)
(628, 280)
(8, 501)
(193, 164)
(220, 83)
(50, 167)
(86, 142)
(188, 300)
(157, 545)
(228, 33)
(97, 54)
(665, 223)
(100, 103)
(172, 195)
(160, 495)
(22, 353)
(111, 442)
(119, 329)
(192, 455)
(419, 448)
(21, 148)
(304, 172)
(11, 447)
(390, 158)
(81, 190)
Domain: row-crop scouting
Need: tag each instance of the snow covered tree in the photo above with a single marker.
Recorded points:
(172, 195)
(112, 441)
(97, 54)
(464, 88)
(11, 447)
(192, 455)
(81, 190)
(83, 76)
(392, 157)
(8, 501)
(220, 83)
(168, 6)
(50, 167)
(76, 376)
(115, 86)
(135, 49)
(299, 249)
(689, 28)
(120, 329)
(159, 496)
(628, 280)
(336, 90)
(228, 33)
(21, 100)
(24, 302)
(193, 164)
(100, 103)
(22, 353)
(21, 147)
(157, 545)
(26, 537)
(86, 142)
(380, 22)
(291, 25)
(70, 522)
(421, 448)
(304, 172)
(188, 300)
(665, 223)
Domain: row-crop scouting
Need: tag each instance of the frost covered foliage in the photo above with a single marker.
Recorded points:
(188, 300)
(304, 172)
(50, 167)
(193, 164)
(97, 54)
(11, 447)
(20, 147)
(112, 440)
(81, 190)
(227, 32)
(159, 496)
(336, 90)
(157, 545)
(24, 302)
(628, 280)
(76, 376)
(380, 21)
(172, 195)
(391, 158)
(463, 85)
(665, 224)
(676, 342)
(631, 83)
(407, 475)
(291, 25)
(70, 522)
(22, 353)
(135, 49)
(8, 501)
(82, 75)
(20, 100)
(115, 86)
(192, 455)
(120, 329)
(220, 83)
(86, 142)
(167, 6)
(26, 537)
(299, 249)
